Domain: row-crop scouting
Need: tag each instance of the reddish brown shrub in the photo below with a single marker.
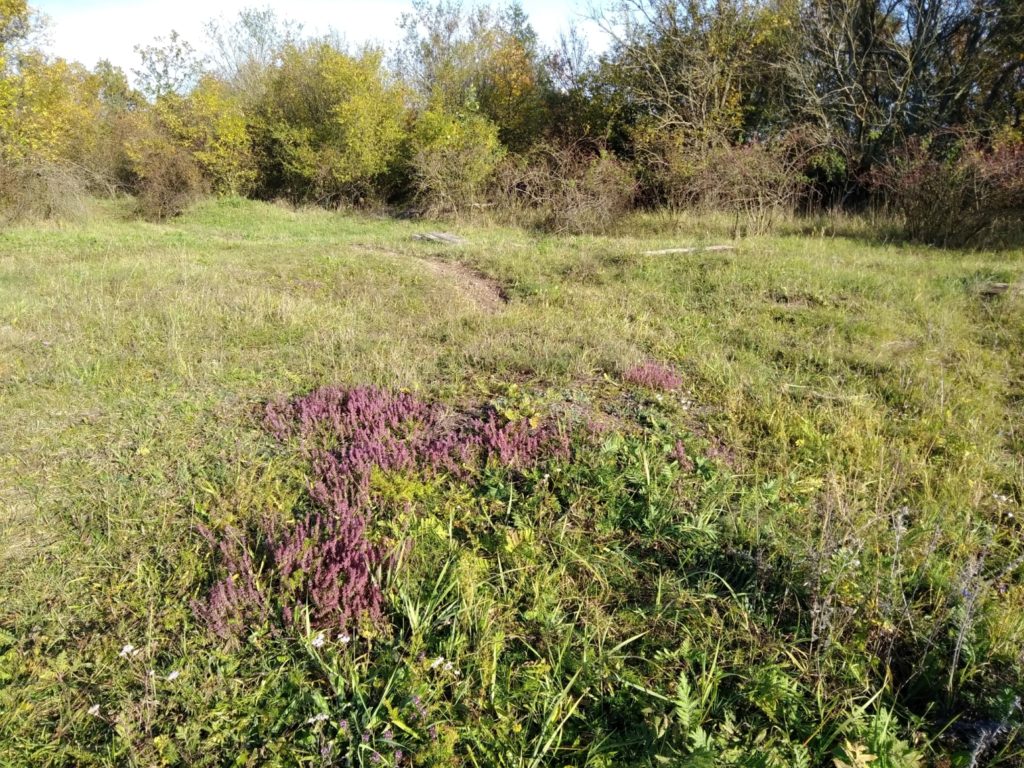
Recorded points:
(567, 189)
(953, 190)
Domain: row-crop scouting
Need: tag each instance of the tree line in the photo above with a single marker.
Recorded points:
(759, 108)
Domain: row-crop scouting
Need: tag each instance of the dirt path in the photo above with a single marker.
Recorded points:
(484, 291)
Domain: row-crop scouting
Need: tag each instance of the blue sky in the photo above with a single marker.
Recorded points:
(89, 30)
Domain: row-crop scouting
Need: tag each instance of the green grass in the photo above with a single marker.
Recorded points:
(839, 574)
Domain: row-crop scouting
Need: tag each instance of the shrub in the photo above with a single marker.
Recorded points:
(33, 188)
(169, 179)
(952, 190)
(330, 124)
(666, 164)
(51, 110)
(453, 157)
(756, 183)
(753, 182)
(209, 123)
(567, 189)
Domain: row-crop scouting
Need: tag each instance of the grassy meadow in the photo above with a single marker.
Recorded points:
(794, 541)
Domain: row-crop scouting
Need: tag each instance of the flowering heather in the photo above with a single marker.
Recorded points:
(681, 457)
(327, 562)
(654, 376)
(235, 600)
(366, 428)
(332, 559)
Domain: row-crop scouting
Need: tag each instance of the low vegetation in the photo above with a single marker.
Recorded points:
(275, 491)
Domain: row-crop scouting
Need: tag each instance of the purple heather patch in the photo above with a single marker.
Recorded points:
(327, 561)
(654, 375)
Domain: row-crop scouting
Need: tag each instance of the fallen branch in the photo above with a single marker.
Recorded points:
(440, 237)
(814, 394)
(994, 289)
(666, 251)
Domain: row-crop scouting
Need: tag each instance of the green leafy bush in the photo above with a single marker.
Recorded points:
(329, 125)
(453, 157)
(210, 125)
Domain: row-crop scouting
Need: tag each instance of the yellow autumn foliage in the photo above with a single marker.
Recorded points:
(51, 110)
(210, 124)
(331, 121)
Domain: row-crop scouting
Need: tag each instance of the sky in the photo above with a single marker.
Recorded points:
(90, 30)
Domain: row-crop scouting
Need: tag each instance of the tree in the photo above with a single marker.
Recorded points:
(210, 124)
(870, 72)
(168, 66)
(482, 59)
(14, 22)
(52, 112)
(114, 90)
(705, 71)
(248, 48)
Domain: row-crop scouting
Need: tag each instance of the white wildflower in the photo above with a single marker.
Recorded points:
(319, 640)
(128, 651)
(173, 676)
(321, 718)
(437, 662)
(94, 710)
(345, 639)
